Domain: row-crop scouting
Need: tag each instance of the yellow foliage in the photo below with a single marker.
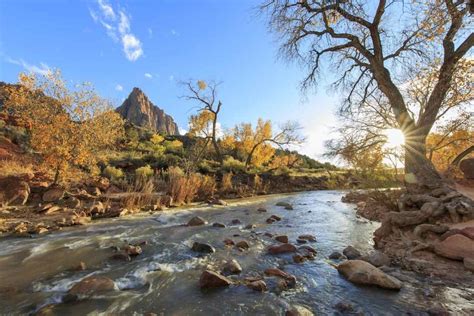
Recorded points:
(68, 127)
(202, 84)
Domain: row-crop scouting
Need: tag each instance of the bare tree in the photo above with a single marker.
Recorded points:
(375, 47)
(205, 123)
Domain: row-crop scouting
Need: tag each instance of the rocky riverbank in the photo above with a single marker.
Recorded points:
(450, 254)
(31, 205)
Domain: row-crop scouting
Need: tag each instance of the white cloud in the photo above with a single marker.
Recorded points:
(182, 131)
(42, 69)
(148, 75)
(106, 9)
(119, 87)
(119, 29)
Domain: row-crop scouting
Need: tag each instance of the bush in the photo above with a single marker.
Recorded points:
(226, 185)
(182, 188)
(207, 187)
(233, 165)
(113, 173)
(144, 172)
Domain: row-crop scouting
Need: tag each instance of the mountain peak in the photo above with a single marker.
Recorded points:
(139, 110)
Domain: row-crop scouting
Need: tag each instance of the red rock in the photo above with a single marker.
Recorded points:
(92, 285)
(259, 286)
(307, 237)
(283, 248)
(210, 279)
(456, 247)
(229, 242)
(361, 272)
(282, 238)
(468, 232)
(291, 279)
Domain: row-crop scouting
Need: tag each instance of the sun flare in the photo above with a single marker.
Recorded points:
(395, 138)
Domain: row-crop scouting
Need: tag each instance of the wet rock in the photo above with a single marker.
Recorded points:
(301, 241)
(232, 267)
(336, 255)
(250, 226)
(197, 221)
(89, 286)
(270, 221)
(299, 258)
(210, 279)
(121, 256)
(307, 237)
(344, 307)
(236, 221)
(273, 218)
(290, 279)
(377, 258)
(283, 248)
(132, 250)
(308, 249)
(285, 205)
(289, 207)
(219, 225)
(456, 247)
(361, 272)
(351, 253)
(229, 242)
(267, 234)
(282, 239)
(242, 244)
(469, 264)
(298, 310)
(53, 194)
(261, 210)
(259, 286)
(202, 247)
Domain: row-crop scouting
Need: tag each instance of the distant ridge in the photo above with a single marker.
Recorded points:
(139, 110)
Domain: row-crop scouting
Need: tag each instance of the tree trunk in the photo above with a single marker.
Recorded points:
(420, 173)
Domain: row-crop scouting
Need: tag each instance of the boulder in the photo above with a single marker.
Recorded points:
(231, 267)
(261, 210)
(14, 191)
(469, 264)
(298, 258)
(377, 258)
(259, 286)
(236, 221)
(361, 272)
(307, 249)
(351, 253)
(90, 286)
(336, 255)
(282, 239)
(197, 221)
(242, 244)
(283, 248)
(202, 247)
(229, 242)
(456, 247)
(210, 279)
(307, 237)
(53, 194)
(285, 205)
(298, 311)
(219, 225)
(467, 167)
(290, 280)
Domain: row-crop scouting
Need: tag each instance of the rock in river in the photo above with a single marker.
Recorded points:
(89, 286)
(259, 286)
(202, 247)
(298, 311)
(336, 255)
(351, 253)
(232, 267)
(197, 221)
(242, 244)
(283, 248)
(219, 225)
(210, 279)
(377, 258)
(361, 272)
(282, 239)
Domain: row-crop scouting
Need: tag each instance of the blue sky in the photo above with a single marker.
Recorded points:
(118, 45)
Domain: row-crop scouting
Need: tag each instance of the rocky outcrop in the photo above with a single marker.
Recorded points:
(139, 110)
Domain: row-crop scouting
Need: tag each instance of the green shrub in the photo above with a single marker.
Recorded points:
(233, 165)
(144, 172)
(113, 173)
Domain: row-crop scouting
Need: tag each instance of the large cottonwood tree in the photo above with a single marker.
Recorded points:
(375, 46)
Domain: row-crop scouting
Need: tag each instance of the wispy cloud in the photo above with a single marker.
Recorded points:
(171, 78)
(148, 75)
(117, 26)
(174, 32)
(42, 68)
(119, 87)
(150, 32)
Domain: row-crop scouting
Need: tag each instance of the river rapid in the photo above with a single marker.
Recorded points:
(164, 279)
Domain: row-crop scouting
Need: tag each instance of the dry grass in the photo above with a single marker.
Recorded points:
(226, 185)
(181, 187)
(14, 167)
(140, 195)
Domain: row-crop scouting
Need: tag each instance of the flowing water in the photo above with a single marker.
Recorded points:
(164, 278)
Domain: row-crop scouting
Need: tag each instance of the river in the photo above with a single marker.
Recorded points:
(38, 271)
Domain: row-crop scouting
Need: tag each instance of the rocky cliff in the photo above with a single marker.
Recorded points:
(139, 110)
